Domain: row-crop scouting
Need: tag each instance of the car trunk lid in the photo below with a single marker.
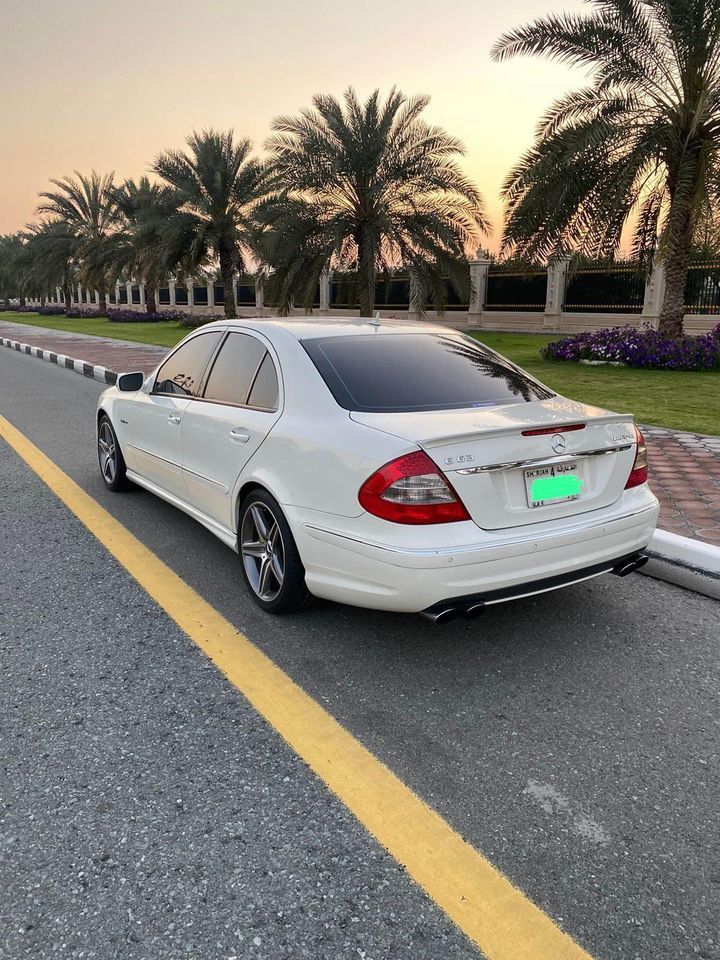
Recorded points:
(518, 464)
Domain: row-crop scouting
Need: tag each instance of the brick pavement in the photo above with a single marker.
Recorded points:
(684, 467)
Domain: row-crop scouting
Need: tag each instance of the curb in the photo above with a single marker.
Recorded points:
(93, 371)
(688, 563)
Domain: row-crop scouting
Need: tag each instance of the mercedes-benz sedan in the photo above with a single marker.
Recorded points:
(387, 464)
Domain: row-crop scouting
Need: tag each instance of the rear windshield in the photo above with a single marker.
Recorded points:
(425, 371)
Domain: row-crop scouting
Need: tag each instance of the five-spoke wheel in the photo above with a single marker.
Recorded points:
(110, 458)
(270, 560)
(263, 552)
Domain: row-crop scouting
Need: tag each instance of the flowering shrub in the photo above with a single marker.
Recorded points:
(137, 316)
(190, 322)
(51, 310)
(640, 348)
(82, 313)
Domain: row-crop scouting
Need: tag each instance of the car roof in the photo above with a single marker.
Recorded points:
(311, 328)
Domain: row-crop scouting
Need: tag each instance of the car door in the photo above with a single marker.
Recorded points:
(224, 427)
(154, 417)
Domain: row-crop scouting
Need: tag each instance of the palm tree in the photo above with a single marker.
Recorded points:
(12, 269)
(218, 185)
(145, 210)
(51, 252)
(643, 138)
(367, 187)
(87, 208)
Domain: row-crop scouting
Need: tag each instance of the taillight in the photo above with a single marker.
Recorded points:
(411, 489)
(639, 472)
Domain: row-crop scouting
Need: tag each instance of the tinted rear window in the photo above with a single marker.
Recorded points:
(390, 374)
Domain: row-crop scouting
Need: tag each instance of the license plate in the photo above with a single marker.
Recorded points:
(553, 484)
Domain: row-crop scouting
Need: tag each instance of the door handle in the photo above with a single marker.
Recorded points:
(173, 418)
(239, 436)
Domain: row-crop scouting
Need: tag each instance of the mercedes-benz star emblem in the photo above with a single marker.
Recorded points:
(558, 443)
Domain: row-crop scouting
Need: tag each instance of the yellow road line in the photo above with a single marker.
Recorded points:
(483, 903)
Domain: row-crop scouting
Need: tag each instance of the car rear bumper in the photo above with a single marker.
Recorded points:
(346, 566)
(471, 606)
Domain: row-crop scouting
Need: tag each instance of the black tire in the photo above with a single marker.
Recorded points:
(269, 558)
(110, 458)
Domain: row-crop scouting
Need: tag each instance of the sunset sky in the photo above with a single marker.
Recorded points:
(106, 85)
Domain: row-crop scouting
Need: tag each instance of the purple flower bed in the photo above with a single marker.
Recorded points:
(136, 316)
(195, 320)
(640, 348)
(82, 313)
(51, 310)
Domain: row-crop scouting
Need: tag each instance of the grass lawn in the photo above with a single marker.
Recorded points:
(686, 401)
(164, 334)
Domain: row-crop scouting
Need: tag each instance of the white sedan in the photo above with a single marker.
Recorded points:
(386, 464)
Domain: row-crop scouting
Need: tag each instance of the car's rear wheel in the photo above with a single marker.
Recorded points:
(271, 564)
(110, 458)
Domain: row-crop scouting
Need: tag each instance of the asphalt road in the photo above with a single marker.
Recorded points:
(573, 738)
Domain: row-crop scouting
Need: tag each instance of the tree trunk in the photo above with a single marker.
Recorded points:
(226, 275)
(683, 183)
(102, 299)
(366, 276)
(67, 293)
(676, 271)
(150, 301)
(23, 301)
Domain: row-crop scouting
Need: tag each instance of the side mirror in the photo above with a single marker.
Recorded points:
(130, 382)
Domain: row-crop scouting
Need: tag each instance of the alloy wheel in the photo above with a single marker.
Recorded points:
(263, 551)
(107, 452)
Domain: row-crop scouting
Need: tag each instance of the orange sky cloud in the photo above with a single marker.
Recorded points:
(108, 85)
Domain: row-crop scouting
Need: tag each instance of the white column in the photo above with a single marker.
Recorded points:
(479, 270)
(117, 294)
(259, 294)
(79, 295)
(191, 296)
(128, 290)
(325, 278)
(654, 295)
(555, 295)
(171, 288)
(211, 294)
(142, 295)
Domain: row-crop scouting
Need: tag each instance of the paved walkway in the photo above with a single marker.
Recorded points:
(119, 355)
(684, 467)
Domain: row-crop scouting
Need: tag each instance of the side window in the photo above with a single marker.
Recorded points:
(234, 369)
(264, 391)
(182, 372)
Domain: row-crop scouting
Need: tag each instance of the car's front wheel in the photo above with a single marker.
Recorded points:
(271, 564)
(110, 458)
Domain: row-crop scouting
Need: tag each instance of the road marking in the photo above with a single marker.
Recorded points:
(493, 913)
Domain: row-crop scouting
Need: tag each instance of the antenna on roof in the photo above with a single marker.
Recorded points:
(375, 322)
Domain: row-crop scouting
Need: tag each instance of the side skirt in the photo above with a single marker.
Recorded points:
(222, 533)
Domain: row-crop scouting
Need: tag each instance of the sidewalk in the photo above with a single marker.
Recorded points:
(684, 467)
(119, 355)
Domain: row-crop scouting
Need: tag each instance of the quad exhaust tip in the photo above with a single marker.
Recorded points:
(630, 566)
(444, 613)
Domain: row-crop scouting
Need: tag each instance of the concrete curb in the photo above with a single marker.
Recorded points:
(695, 554)
(93, 371)
(688, 563)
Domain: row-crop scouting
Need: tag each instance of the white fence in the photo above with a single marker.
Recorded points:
(208, 299)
